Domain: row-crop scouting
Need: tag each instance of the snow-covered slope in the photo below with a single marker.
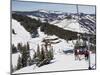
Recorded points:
(21, 36)
(60, 63)
(88, 22)
(71, 25)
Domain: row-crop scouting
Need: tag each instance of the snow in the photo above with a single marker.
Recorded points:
(33, 17)
(60, 63)
(49, 11)
(15, 59)
(42, 19)
(71, 25)
(61, 16)
(21, 36)
(62, 46)
(93, 60)
(90, 18)
(43, 10)
(55, 22)
(59, 46)
(37, 41)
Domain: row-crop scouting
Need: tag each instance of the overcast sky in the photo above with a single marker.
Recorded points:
(31, 6)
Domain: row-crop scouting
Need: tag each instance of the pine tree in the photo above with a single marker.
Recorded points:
(38, 52)
(28, 47)
(34, 56)
(24, 50)
(51, 51)
(50, 54)
(19, 64)
(28, 50)
(14, 49)
(46, 48)
(42, 55)
(19, 47)
(24, 55)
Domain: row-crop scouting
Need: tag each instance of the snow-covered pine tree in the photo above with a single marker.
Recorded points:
(51, 51)
(42, 54)
(19, 64)
(50, 54)
(25, 55)
(28, 50)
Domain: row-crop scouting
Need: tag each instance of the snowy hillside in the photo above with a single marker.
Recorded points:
(89, 23)
(86, 24)
(21, 36)
(71, 25)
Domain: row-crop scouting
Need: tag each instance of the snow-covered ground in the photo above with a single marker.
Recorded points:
(61, 62)
(15, 59)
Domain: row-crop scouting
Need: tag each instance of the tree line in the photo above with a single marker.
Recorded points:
(31, 25)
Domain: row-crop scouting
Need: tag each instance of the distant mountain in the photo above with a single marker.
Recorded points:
(84, 23)
(31, 25)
